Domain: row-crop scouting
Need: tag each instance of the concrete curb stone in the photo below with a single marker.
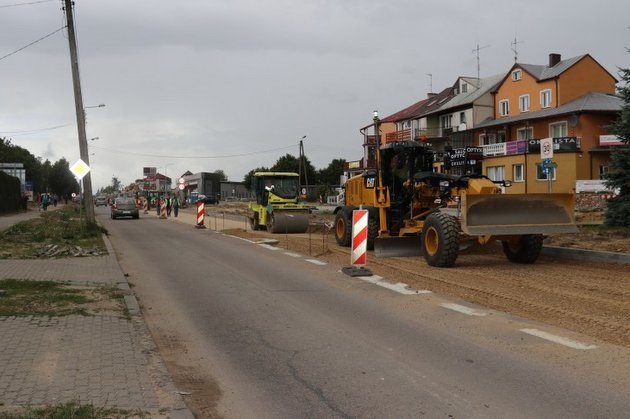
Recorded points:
(586, 255)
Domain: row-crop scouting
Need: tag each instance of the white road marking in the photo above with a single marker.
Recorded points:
(558, 339)
(463, 309)
(237, 237)
(316, 262)
(268, 246)
(293, 255)
(399, 287)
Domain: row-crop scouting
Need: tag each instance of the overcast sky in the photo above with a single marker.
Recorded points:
(207, 78)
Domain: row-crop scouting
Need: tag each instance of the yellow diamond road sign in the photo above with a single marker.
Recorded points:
(79, 169)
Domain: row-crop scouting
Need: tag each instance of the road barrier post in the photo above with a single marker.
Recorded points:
(145, 206)
(310, 252)
(223, 213)
(201, 215)
(163, 211)
(358, 252)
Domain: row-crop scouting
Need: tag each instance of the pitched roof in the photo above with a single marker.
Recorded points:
(590, 102)
(543, 72)
(403, 114)
(433, 103)
(483, 86)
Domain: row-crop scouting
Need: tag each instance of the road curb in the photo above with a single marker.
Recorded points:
(586, 255)
(130, 299)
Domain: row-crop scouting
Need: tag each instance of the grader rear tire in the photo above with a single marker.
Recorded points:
(524, 250)
(343, 229)
(440, 240)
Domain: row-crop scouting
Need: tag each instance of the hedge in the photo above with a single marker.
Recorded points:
(10, 194)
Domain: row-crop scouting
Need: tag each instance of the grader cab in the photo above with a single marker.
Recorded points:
(414, 211)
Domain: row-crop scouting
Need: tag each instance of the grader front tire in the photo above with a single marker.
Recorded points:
(440, 240)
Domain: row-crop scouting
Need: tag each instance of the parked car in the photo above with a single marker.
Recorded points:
(125, 207)
(208, 199)
(100, 200)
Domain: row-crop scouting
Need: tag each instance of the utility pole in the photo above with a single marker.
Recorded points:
(302, 163)
(78, 104)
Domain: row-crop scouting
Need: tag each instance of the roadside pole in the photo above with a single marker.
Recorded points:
(78, 104)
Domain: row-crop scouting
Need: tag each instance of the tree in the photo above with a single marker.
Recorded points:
(10, 153)
(222, 176)
(290, 163)
(61, 180)
(113, 188)
(330, 175)
(618, 177)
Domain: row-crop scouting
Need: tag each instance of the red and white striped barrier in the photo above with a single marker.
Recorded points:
(358, 256)
(163, 210)
(201, 213)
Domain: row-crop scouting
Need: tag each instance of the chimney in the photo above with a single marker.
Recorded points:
(430, 95)
(554, 59)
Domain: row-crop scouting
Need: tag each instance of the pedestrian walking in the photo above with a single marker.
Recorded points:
(54, 199)
(168, 205)
(45, 202)
(157, 205)
(175, 205)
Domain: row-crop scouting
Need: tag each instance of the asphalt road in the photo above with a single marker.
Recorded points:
(276, 336)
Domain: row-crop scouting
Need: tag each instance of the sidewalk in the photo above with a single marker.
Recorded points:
(7, 220)
(106, 360)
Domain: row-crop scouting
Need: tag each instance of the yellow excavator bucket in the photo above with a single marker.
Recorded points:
(506, 214)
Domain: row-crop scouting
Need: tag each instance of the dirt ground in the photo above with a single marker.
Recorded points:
(593, 299)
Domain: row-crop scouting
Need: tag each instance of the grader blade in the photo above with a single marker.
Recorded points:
(407, 246)
(517, 214)
(289, 221)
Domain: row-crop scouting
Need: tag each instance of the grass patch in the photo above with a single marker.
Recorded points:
(73, 410)
(25, 240)
(43, 298)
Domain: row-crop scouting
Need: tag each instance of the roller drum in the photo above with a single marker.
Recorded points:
(288, 222)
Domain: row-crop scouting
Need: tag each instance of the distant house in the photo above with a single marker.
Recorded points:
(572, 101)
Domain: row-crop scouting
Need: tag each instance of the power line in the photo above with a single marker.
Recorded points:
(32, 131)
(25, 4)
(225, 156)
(32, 43)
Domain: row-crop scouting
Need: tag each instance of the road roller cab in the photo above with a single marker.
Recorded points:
(277, 207)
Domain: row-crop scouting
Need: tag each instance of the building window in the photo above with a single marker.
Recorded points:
(523, 103)
(462, 117)
(482, 139)
(545, 98)
(558, 129)
(496, 173)
(504, 107)
(518, 171)
(540, 172)
(517, 75)
(525, 133)
(491, 138)
(464, 88)
(603, 170)
(501, 137)
(446, 121)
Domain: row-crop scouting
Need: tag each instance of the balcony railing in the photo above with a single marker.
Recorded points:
(403, 135)
(369, 140)
(505, 149)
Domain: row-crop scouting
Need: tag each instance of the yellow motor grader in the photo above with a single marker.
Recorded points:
(413, 210)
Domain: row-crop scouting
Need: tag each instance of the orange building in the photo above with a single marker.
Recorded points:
(572, 101)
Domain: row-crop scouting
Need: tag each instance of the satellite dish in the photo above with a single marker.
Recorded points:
(462, 127)
(573, 121)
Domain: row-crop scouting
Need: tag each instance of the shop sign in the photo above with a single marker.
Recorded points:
(559, 144)
(610, 140)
